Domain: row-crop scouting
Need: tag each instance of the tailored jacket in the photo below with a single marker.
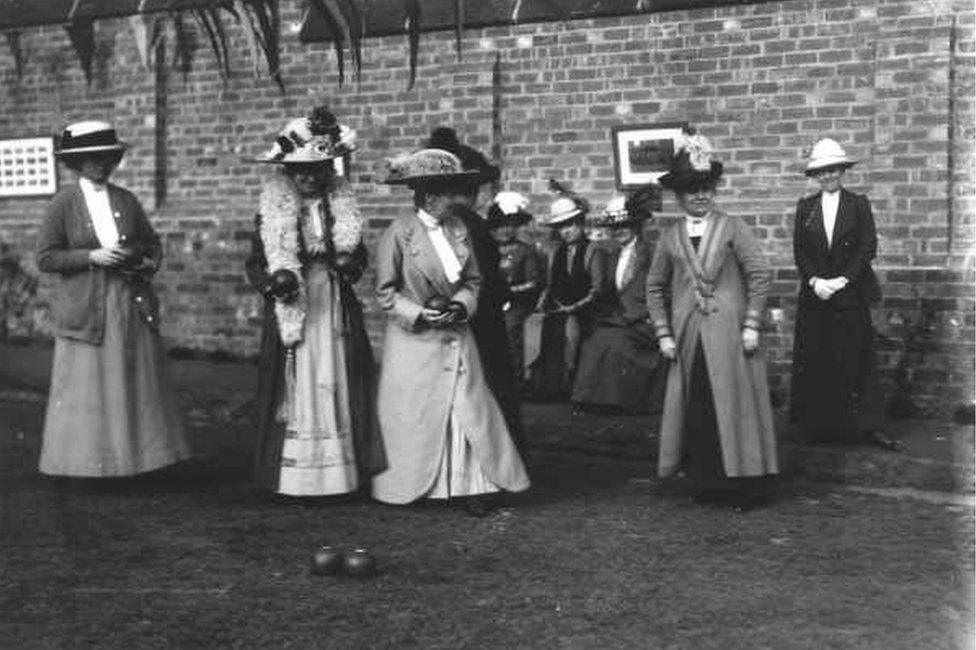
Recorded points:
(709, 295)
(595, 262)
(427, 371)
(854, 244)
(67, 236)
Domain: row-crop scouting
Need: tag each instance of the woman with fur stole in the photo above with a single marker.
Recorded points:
(316, 378)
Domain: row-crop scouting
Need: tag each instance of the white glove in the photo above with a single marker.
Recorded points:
(668, 347)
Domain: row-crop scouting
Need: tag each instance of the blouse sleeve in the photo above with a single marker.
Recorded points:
(867, 242)
(256, 265)
(389, 280)
(754, 265)
(54, 254)
(803, 262)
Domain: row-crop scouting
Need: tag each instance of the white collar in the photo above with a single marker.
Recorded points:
(89, 185)
(428, 219)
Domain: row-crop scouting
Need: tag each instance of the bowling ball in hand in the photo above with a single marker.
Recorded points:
(283, 282)
(437, 303)
(458, 308)
(360, 564)
(326, 561)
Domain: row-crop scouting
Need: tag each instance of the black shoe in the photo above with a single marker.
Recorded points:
(879, 439)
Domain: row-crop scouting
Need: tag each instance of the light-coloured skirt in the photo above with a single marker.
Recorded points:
(111, 411)
(318, 457)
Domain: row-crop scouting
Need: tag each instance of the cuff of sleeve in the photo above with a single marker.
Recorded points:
(753, 319)
(661, 330)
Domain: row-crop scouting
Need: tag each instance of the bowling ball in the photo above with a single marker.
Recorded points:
(283, 282)
(326, 561)
(360, 564)
(437, 303)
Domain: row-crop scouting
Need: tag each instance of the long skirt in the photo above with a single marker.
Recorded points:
(554, 370)
(835, 391)
(621, 367)
(317, 455)
(111, 411)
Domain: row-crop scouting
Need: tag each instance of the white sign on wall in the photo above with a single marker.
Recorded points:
(27, 167)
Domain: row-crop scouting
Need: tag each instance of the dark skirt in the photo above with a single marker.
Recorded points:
(835, 390)
(554, 370)
(621, 367)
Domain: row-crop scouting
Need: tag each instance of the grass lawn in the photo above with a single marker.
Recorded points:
(598, 556)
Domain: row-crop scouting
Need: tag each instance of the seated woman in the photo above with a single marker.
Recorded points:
(520, 266)
(444, 432)
(317, 430)
(620, 367)
(576, 292)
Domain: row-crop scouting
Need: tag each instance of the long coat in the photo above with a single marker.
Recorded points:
(427, 370)
(835, 390)
(360, 373)
(620, 364)
(713, 293)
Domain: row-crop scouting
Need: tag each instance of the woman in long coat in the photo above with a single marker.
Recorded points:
(706, 291)
(316, 378)
(444, 432)
(111, 411)
(620, 365)
(835, 393)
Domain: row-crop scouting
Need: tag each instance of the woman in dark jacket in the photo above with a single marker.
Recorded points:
(316, 383)
(111, 411)
(835, 393)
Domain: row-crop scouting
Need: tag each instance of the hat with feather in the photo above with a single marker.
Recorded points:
(628, 211)
(508, 209)
(692, 166)
(316, 138)
(566, 207)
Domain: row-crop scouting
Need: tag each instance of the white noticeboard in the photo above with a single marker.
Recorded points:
(27, 167)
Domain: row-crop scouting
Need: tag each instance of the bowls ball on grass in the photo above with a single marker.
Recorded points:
(327, 561)
(360, 564)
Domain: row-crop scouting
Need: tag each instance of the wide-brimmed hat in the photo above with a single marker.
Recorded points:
(563, 210)
(426, 166)
(827, 152)
(692, 165)
(508, 209)
(317, 138)
(471, 159)
(88, 137)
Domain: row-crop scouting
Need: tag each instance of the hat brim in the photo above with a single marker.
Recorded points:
(517, 219)
(561, 220)
(120, 146)
(813, 167)
(432, 178)
(684, 180)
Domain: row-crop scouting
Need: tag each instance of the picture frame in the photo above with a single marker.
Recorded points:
(642, 152)
(27, 167)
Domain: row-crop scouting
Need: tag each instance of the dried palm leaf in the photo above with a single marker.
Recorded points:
(413, 16)
(81, 32)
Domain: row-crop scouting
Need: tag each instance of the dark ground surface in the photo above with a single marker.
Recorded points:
(598, 555)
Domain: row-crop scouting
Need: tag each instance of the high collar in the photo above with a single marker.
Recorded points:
(428, 219)
(89, 185)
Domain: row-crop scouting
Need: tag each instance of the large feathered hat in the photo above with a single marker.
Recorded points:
(508, 209)
(627, 211)
(471, 159)
(426, 166)
(313, 139)
(692, 165)
(566, 207)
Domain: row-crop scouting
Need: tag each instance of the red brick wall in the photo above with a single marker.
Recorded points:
(892, 80)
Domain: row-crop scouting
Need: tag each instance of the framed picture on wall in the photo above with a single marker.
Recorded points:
(642, 152)
(27, 167)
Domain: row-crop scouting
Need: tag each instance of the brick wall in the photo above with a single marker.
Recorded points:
(892, 80)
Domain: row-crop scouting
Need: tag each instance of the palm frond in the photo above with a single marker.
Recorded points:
(16, 52)
(357, 31)
(209, 20)
(458, 25)
(81, 32)
(332, 13)
(183, 53)
(265, 23)
(413, 17)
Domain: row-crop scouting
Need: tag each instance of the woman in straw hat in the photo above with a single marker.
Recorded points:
(835, 392)
(444, 432)
(318, 434)
(620, 365)
(520, 267)
(577, 291)
(706, 291)
(111, 411)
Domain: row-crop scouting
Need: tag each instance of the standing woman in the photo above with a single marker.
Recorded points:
(835, 392)
(706, 291)
(111, 411)
(444, 432)
(316, 382)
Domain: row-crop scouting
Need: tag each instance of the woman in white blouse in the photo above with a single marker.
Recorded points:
(443, 430)
(110, 411)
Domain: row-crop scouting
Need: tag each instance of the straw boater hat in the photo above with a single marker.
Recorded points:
(88, 137)
(628, 211)
(828, 153)
(692, 165)
(426, 166)
(508, 209)
(313, 139)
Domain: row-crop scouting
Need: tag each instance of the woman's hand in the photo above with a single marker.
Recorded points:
(108, 257)
(750, 340)
(668, 348)
(436, 318)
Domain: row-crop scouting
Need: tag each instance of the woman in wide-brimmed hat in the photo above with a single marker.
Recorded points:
(620, 365)
(318, 434)
(520, 267)
(706, 292)
(577, 291)
(835, 393)
(111, 411)
(444, 432)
